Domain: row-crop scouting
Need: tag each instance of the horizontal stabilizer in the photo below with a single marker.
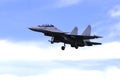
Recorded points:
(95, 43)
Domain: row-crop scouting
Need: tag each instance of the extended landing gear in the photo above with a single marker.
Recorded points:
(63, 47)
(52, 40)
(76, 47)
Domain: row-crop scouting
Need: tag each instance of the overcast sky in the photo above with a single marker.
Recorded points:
(26, 55)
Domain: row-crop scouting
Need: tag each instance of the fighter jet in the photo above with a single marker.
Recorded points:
(72, 38)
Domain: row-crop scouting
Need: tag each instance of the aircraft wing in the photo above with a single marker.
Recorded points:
(50, 33)
(82, 37)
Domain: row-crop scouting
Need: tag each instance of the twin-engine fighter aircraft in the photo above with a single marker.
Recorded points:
(72, 38)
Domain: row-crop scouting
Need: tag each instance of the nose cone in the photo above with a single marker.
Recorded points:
(30, 28)
(33, 28)
(37, 29)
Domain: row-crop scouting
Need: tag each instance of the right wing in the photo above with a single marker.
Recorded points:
(82, 37)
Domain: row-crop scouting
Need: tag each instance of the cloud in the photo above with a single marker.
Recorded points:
(33, 58)
(28, 68)
(112, 73)
(115, 30)
(27, 51)
(115, 12)
(66, 3)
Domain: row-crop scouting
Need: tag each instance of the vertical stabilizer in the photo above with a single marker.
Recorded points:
(87, 31)
(74, 31)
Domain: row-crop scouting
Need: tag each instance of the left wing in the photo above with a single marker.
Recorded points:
(53, 34)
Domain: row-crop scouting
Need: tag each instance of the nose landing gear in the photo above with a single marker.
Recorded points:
(52, 40)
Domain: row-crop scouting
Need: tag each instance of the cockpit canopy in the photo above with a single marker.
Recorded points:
(46, 25)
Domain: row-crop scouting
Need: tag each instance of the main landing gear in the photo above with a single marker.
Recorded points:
(63, 47)
(76, 47)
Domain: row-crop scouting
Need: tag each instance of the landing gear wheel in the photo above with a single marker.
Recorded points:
(52, 42)
(76, 47)
(63, 47)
